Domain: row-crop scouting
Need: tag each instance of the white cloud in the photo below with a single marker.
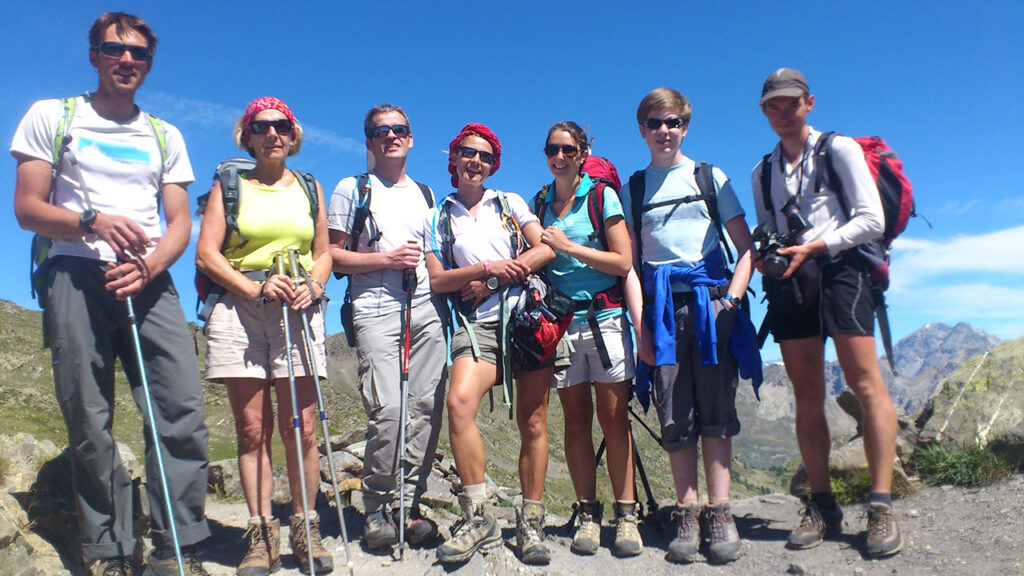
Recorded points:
(192, 112)
(975, 279)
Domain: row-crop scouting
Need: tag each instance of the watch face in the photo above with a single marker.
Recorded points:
(492, 282)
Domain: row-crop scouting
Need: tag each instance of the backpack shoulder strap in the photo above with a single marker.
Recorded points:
(508, 220)
(595, 210)
(229, 192)
(704, 175)
(766, 182)
(61, 140)
(443, 233)
(428, 194)
(308, 183)
(825, 171)
(637, 185)
(540, 203)
(363, 192)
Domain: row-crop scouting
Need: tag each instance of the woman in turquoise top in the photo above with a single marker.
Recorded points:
(584, 269)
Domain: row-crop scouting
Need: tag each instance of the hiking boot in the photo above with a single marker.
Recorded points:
(163, 563)
(684, 547)
(323, 562)
(883, 537)
(530, 534)
(627, 535)
(417, 528)
(118, 566)
(588, 528)
(380, 532)
(723, 537)
(264, 554)
(475, 530)
(815, 525)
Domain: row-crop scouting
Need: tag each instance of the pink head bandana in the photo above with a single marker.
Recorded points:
(473, 130)
(260, 104)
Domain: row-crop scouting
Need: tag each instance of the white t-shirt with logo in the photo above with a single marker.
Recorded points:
(112, 167)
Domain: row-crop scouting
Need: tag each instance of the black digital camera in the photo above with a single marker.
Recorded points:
(769, 242)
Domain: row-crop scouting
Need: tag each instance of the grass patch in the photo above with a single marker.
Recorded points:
(855, 487)
(972, 466)
(5, 468)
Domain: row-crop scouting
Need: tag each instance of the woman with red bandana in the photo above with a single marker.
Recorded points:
(246, 346)
(481, 245)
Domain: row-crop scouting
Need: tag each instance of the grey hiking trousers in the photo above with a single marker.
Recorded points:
(88, 329)
(378, 348)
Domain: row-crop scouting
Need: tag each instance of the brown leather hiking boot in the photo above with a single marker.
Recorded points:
(475, 530)
(264, 554)
(530, 534)
(815, 525)
(883, 538)
(323, 562)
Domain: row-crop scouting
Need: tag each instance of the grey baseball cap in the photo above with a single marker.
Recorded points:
(784, 82)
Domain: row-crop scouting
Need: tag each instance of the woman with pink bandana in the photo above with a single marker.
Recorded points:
(481, 245)
(246, 346)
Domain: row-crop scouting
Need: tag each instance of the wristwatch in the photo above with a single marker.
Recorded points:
(732, 300)
(87, 218)
(492, 283)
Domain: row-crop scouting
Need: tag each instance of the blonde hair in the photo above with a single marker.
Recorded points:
(664, 98)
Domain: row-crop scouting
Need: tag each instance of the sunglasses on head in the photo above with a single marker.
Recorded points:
(116, 49)
(655, 123)
(467, 152)
(568, 150)
(281, 126)
(400, 130)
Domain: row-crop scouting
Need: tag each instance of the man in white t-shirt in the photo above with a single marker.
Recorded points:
(836, 301)
(389, 249)
(115, 167)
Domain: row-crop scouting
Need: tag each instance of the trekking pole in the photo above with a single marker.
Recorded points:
(409, 280)
(153, 432)
(307, 335)
(279, 268)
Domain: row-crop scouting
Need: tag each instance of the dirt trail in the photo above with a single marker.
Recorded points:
(947, 531)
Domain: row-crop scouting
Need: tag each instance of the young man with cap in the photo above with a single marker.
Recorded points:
(825, 256)
(390, 246)
(94, 183)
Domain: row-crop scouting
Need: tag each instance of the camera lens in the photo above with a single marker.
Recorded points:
(775, 265)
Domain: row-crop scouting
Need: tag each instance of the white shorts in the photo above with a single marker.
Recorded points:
(585, 361)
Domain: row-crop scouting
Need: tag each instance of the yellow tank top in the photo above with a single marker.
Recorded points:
(270, 220)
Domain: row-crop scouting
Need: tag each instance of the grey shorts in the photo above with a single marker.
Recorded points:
(584, 362)
(691, 399)
(244, 341)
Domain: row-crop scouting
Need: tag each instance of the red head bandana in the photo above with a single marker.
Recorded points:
(260, 104)
(473, 130)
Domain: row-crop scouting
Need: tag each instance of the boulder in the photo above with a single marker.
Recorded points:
(980, 404)
(22, 553)
(22, 455)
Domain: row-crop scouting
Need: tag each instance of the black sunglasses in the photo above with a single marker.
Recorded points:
(568, 150)
(400, 130)
(655, 123)
(281, 125)
(116, 49)
(467, 152)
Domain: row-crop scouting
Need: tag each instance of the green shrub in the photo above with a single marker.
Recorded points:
(971, 466)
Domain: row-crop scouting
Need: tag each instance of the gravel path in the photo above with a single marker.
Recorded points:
(947, 531)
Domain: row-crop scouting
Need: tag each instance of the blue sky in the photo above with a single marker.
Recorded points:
(943, 82)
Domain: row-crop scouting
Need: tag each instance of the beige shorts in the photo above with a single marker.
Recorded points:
(243, 341)
(585, 362)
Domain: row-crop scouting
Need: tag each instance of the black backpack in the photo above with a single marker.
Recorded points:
(227, 173)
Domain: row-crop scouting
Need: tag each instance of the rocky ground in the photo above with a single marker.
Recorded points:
(947, 531)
